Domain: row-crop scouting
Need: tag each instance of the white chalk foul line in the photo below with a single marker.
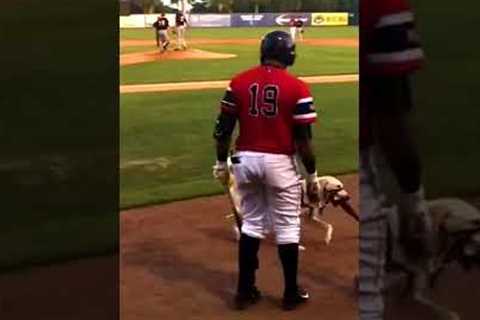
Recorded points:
(221, 84)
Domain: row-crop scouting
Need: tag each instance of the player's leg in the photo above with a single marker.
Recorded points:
(373, 242)
(182, 37)
(284, 202)
(157, 38)
(293, 32)
(179, 38)
(247, 172)
(162, 38)
(167, 40)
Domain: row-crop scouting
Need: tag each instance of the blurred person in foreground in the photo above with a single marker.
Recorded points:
(390, 167)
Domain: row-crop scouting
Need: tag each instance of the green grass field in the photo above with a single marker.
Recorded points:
(167, 150)
(330, 61)
(312, 60)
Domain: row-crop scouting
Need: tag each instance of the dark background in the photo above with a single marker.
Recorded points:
(59, 158)
(447, 98)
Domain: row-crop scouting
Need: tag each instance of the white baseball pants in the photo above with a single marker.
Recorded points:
(163, 35)
(181, 43)
(270, 189)
(293, 33)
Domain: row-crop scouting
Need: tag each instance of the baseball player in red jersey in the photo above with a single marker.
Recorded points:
(390, 168)
(274, 111)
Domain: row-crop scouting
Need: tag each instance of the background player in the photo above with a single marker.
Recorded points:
(274, 111)
(299, 28)
(161, 31)
(293, 28)
(389, 54)
(180, 27)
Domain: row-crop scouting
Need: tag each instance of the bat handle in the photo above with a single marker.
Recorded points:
(238, 220)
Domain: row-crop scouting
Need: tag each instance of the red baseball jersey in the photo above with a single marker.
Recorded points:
(268, 102)
(390, 46)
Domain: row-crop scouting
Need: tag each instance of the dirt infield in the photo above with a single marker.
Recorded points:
(332, 42)
(221, 84)
(155, 55)
(178, 261)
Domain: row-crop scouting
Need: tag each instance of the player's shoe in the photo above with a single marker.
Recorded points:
(245, 299)
(292, 300)
(165, 45)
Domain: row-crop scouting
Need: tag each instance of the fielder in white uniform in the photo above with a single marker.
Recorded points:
(180, 27)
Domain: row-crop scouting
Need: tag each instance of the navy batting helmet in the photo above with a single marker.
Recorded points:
(279, 46)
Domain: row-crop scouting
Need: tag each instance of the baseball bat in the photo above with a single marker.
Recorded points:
(236, 215)
(345, 205)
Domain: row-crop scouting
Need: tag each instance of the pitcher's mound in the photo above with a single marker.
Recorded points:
(142, 57)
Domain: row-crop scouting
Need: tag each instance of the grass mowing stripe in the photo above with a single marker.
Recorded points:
(167, 149)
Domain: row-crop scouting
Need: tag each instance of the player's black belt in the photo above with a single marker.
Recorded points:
(235, 159)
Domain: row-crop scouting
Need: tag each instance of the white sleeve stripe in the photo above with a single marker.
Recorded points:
(396, 57)
(304, 100)
(395, 19)
(312, 115)
(228, 103)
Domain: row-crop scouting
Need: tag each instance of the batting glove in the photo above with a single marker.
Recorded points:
(220, 172)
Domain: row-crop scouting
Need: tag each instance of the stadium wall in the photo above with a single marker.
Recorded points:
(246, 19)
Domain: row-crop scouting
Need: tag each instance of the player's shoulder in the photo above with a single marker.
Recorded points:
(293, 80)
(246, 74)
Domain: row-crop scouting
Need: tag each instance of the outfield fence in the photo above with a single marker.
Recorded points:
(246, 19)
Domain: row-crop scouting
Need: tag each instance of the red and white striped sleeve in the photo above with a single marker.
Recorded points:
(304, 110)
(394, 46)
